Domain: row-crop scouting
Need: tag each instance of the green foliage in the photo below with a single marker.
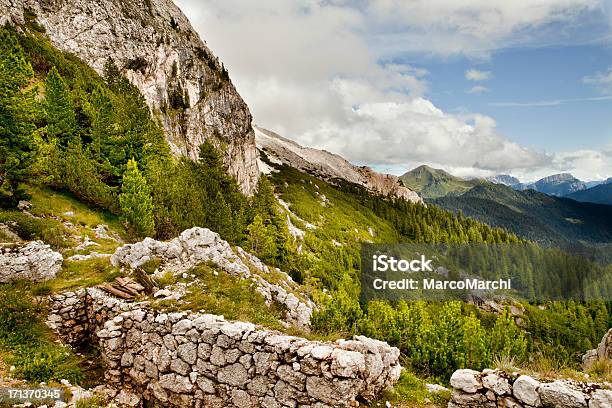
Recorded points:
(411, 391)
(58, 109)
(436, 339)
(136, 202)
(16, 117)
(51, 231)
(260, 239)
(533, 215)
(339, 313)
(28, 342)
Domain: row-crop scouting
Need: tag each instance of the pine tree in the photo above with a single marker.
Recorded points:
(136, 202)
(261, 239)
(16, 117)
(508, 340)
(59, 110)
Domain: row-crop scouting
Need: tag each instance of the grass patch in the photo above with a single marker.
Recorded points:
(151, 265)
(601, 370)
(80, 274)
(225, 295)
(27, 343)
(94, 402)
(410, 391)
(49, 231)
(49, 202)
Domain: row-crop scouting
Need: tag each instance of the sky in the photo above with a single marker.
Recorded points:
(476, 87)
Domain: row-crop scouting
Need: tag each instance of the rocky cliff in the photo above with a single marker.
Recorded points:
(328, 166)
(154, 45)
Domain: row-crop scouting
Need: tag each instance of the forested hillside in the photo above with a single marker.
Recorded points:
(533, 215)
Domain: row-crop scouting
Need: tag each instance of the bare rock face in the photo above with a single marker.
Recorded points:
(36, 262)
(154, 45)
(329, 166)
(602, 352)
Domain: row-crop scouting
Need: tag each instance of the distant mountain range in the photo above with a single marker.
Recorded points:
(534, 211)
(560, 185)
(534, 215)
(600, 194)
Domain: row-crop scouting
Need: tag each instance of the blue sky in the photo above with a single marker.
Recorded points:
(569, 118)
(384, 82)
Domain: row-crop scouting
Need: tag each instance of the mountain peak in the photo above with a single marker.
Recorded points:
(505, 179)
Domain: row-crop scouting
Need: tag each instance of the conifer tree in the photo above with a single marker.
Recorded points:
(508, 340)
(59, 110)
(261, 239)
(136, 202)
(16, 116)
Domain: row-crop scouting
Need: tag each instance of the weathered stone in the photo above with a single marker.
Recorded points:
(497, 384)
(601, 399)
(35, 261)
(233, 374)
(188, 352)
(560, 394)
(525, 389)
(175, 383)
(466, 380)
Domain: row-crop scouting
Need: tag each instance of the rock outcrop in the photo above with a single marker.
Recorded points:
(602, 352)
(498, 389)
(328, 166)
(155, 46)
(201, 360)
(198, 245)
(35, 261)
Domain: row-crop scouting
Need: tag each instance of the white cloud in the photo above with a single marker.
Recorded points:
(550, 102)
(310, 70)
(601, 80)
(478, 89)
(474, 27)
(476, 75)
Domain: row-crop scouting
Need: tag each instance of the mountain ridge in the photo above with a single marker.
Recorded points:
(328, 166)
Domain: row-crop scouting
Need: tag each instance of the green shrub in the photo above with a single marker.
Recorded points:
(28, 342)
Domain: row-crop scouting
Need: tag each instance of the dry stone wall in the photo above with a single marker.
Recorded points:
(35, 261)
(201, 360)
(492, 389)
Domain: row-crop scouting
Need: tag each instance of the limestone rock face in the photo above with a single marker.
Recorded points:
(602, 352)
(36, 262)
(156, 48)
(466, 380)
(328, 166)
(559, 394)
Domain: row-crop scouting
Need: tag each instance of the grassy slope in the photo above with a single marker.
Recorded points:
(434, 183)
